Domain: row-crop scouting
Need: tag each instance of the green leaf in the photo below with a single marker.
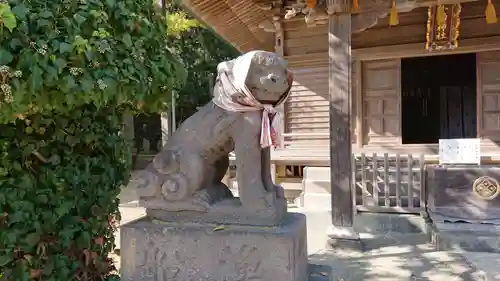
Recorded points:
(43, 23)
(60, 63)
(50, 74)
(84, 240)
(48, 268)
(4, 7)
(64, 208)
(42, 198)
(71, 82)
(5, 57)
(9, 20)
(36, 79)
(87, 85)
(127, 40)
(16, 166)
(79, 19)
(65, 48)
(32, 239)
(4, 260)
(15, 42)
(20, 11)
(46, 14)
(110, 3)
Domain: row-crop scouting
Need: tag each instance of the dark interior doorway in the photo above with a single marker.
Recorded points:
(438, 98)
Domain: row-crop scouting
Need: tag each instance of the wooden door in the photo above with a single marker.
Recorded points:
(381, 101)
(488, 102)
(458, 112)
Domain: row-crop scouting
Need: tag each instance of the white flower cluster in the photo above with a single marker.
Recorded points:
(101, 84)
(103, 47)
(42, 50)
(18, 74)
(94, 64)
(5, 71)
(5, 88)
(75, 71)
(139, 58)
(7, 94)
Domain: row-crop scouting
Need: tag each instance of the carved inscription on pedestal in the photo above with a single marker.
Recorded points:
(237, 262)
(167, 251)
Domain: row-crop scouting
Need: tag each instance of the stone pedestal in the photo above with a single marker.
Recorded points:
(160, 251)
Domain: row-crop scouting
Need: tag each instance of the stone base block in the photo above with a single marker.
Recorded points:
(316, 185)
(467, 237)
(159, 251)
(317, 202)
(228, 211)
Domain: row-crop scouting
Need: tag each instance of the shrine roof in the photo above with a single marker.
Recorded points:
(248, 24)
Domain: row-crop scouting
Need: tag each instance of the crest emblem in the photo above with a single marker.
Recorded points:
(486, 188)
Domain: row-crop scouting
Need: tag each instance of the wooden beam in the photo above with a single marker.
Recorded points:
(367, 6)
(383, 6)
(339, 88)
(471, 45)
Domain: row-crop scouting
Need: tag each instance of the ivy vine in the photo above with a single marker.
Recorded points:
(70, 53)
(68, 71)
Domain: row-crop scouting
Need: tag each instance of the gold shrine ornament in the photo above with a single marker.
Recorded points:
(490, 13)
(486, 188)
(443, 27)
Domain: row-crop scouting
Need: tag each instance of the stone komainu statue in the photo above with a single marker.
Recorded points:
(184, 179)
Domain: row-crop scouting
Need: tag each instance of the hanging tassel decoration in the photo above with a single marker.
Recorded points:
(491, 14)
(355, 5)
(393, 15)
(440, 15)
(311, 4)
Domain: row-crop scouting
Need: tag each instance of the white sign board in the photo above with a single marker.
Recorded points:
(459, 151)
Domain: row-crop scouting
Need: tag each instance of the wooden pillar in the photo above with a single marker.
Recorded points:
(339, 88)
(173, 115)
(279, 37)
(128, 129)
(165, 127)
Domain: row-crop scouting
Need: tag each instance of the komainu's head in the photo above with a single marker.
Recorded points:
(264, 74)
(268, 77)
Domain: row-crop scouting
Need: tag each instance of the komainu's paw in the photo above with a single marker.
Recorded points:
(146, 183)
(167, 162)
(175, 188)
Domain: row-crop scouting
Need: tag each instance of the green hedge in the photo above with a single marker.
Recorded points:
(60, 176)
(68, 70)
